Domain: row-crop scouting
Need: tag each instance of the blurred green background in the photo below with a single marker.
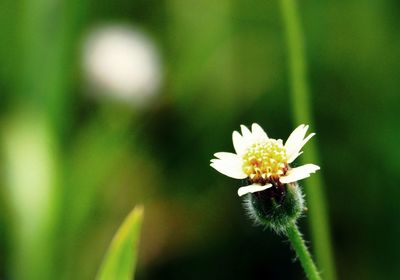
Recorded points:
(75, 158)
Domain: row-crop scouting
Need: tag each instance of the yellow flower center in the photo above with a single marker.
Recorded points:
(265, 161)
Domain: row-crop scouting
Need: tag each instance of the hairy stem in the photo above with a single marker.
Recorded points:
(304, 256)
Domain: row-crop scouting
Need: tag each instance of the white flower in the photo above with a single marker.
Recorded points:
(262, 160)
(123, 63)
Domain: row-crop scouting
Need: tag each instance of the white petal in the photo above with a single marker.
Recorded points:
(258, 132)
(228, 164)
(297, 152)
(299, 173)
(295, 137)
(296, 141)
(226, 156)
(252, 188)
(305, 140)
(228, 170)
(247, 135)
(238, 143)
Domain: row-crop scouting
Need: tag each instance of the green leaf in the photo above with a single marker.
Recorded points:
(120, 260)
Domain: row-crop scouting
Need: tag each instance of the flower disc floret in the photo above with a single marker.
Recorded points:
(265, 161)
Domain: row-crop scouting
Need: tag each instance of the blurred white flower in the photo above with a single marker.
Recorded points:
(123, 63)
(264, 161)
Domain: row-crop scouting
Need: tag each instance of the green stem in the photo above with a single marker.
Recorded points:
(299, 246)
(300, 95)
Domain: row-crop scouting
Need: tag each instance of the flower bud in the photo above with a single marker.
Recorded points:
(276, 207)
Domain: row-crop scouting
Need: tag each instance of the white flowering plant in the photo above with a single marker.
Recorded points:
(272, 196)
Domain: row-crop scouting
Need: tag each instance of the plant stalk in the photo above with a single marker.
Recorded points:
(300, 100)
(304, 256)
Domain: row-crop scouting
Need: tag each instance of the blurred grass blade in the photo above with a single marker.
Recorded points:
(31, 175)
(120, 261)
(302, 113)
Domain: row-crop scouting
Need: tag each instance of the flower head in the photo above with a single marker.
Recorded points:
(264, 161)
